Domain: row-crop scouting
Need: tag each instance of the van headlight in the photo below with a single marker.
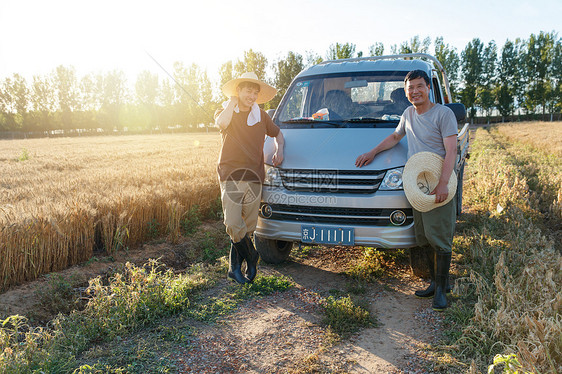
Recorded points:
(392, 180)
(272, 176)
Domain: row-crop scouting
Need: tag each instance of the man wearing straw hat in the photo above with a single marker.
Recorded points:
(431, 129)
(243, 126)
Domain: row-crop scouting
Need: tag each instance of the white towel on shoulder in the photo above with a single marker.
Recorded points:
(254, 116)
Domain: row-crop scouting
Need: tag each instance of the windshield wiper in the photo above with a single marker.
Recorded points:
(370, 119)
(312, 122)
(374, 122)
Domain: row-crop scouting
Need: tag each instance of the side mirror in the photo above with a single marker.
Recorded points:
(459, 110)
(270, 112)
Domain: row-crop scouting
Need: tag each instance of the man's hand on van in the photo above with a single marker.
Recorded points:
(388, 142)
(279, 145)
(365, 159)
(277, 158)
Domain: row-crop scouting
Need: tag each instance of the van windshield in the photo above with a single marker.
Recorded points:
(358, 100)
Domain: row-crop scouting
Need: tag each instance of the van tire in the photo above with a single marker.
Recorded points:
(418, 262)
(273, 251)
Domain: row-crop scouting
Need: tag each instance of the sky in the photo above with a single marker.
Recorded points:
(102, 35)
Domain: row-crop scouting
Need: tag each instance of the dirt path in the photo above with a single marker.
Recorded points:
(283, 333)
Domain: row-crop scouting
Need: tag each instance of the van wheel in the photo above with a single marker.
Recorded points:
(273, 251)
(418, 262)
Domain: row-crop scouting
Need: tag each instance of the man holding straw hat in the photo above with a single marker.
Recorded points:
(431, 131)
(243, 126)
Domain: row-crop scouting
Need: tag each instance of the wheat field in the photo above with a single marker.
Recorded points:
(61, 198)
(545, 136)
(510, 249)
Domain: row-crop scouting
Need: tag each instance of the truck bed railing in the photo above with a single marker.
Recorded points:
(462, 145)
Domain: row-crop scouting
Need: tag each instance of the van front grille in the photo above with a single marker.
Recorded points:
(349, 181)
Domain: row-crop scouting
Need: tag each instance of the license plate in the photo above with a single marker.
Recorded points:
(327, 235)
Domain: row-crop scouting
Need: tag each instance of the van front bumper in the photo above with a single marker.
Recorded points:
(336, 210)
(380, 237)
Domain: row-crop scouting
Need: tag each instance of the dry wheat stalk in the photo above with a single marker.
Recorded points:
(52, 204)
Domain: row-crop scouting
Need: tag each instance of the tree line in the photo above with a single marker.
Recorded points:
(523, 76)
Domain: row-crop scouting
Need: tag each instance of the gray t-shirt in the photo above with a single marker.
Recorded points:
(425, 132)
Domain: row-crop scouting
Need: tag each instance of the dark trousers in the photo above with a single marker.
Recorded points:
(437, 227)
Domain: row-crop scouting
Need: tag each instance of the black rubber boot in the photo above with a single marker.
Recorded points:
(251, 256)
(235, 266)
(430, 291)
(443, 262)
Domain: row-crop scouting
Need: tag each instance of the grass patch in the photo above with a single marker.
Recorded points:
(131, 299)
(300, 252)
(58, 295)
(263, 285)
(344, 317)
(207, 246)
(211, 308)
(374, 263)
(120, 330)
(144, 353)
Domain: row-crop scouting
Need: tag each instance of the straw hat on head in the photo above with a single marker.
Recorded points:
(266, 91)
(420, 177)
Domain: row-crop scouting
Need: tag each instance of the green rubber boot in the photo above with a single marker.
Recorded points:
(235, 264)
(443, 262)
(430, 290)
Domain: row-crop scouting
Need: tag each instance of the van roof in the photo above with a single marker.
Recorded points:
(356, 66)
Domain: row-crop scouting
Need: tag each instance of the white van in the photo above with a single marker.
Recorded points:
(332, 113)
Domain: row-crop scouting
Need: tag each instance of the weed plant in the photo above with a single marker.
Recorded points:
(24, 156)
(58, 295)
(191, 220)
(139, 296)
(511, 295)
(153, 228)
(374, 263)
(344, 317)
(131, 301)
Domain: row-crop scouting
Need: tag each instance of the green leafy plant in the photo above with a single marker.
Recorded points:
(191, 220)
(24, 155)
(510, 364)
(58, 295)
(210, 251)
(215, 210)
(153, 228)
(300, 252)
